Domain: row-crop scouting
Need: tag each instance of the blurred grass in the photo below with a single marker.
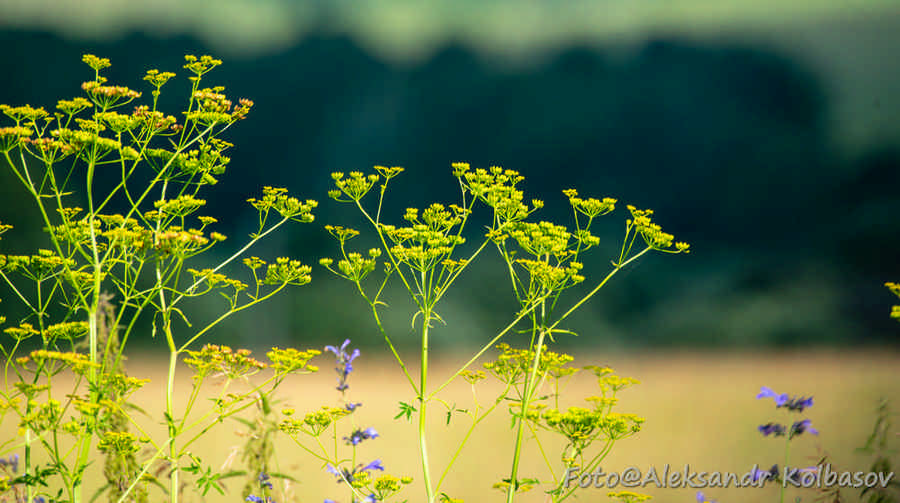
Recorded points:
(700, 410)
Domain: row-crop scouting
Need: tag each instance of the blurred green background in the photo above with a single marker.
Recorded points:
(764, 133)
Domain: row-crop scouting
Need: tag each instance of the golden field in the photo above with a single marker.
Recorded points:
(700, 411)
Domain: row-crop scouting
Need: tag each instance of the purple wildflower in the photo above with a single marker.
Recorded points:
(783, 400)
(800, 403)
(264, 480)
(345, 363)
(352, 406)
(345, 474)
(802, 427)
(764, 475)
(359, 435)
(12, 463)
(767, 392)
(257, 499)
(702, 499)
(771, 429)
(374, 465)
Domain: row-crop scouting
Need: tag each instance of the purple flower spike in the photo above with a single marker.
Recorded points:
(802, 427)
(764, 392)
(764, 475)
(767, 392)
(337, 352)
(798, 404)
(771, 429)
(359, 435)
(374, 465)
(344, 362)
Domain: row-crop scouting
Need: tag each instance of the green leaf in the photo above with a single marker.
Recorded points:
(405, 410)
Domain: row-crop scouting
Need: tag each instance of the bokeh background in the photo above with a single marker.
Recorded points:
(765, 133)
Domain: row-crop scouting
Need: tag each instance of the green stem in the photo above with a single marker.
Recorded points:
(476, 420)
(423, 400)
(170, 413)
(526, 396)
(787, 450)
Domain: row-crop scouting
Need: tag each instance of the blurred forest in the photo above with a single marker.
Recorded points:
(781, 174)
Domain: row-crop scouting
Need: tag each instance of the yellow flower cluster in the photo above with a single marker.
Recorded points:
(54, 361)
(180, 243)
(80, 139)
(157, 78)
(153, 121)
(513, 365)
(121, 443)
(67, 330)
(37, 267)
(895, 289)
(287, 271)
(313, 423)
(202, 65)
(383, 487)
(222, 360)
(496, 187)
(354, 187)
(213, 108)
(11, 136)
(181, 206)
(652, 233)
(275, 198)
(288, 360)
(25, 113)
(355, 267)
(217, 280)
(581, 425)
(628, 496)
(96, 63)
(42, 416)
(428, 241)
(590, 207)
(106, 97)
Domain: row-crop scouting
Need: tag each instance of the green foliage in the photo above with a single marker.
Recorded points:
(543, 259)
(878, 446)
(143, 240)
